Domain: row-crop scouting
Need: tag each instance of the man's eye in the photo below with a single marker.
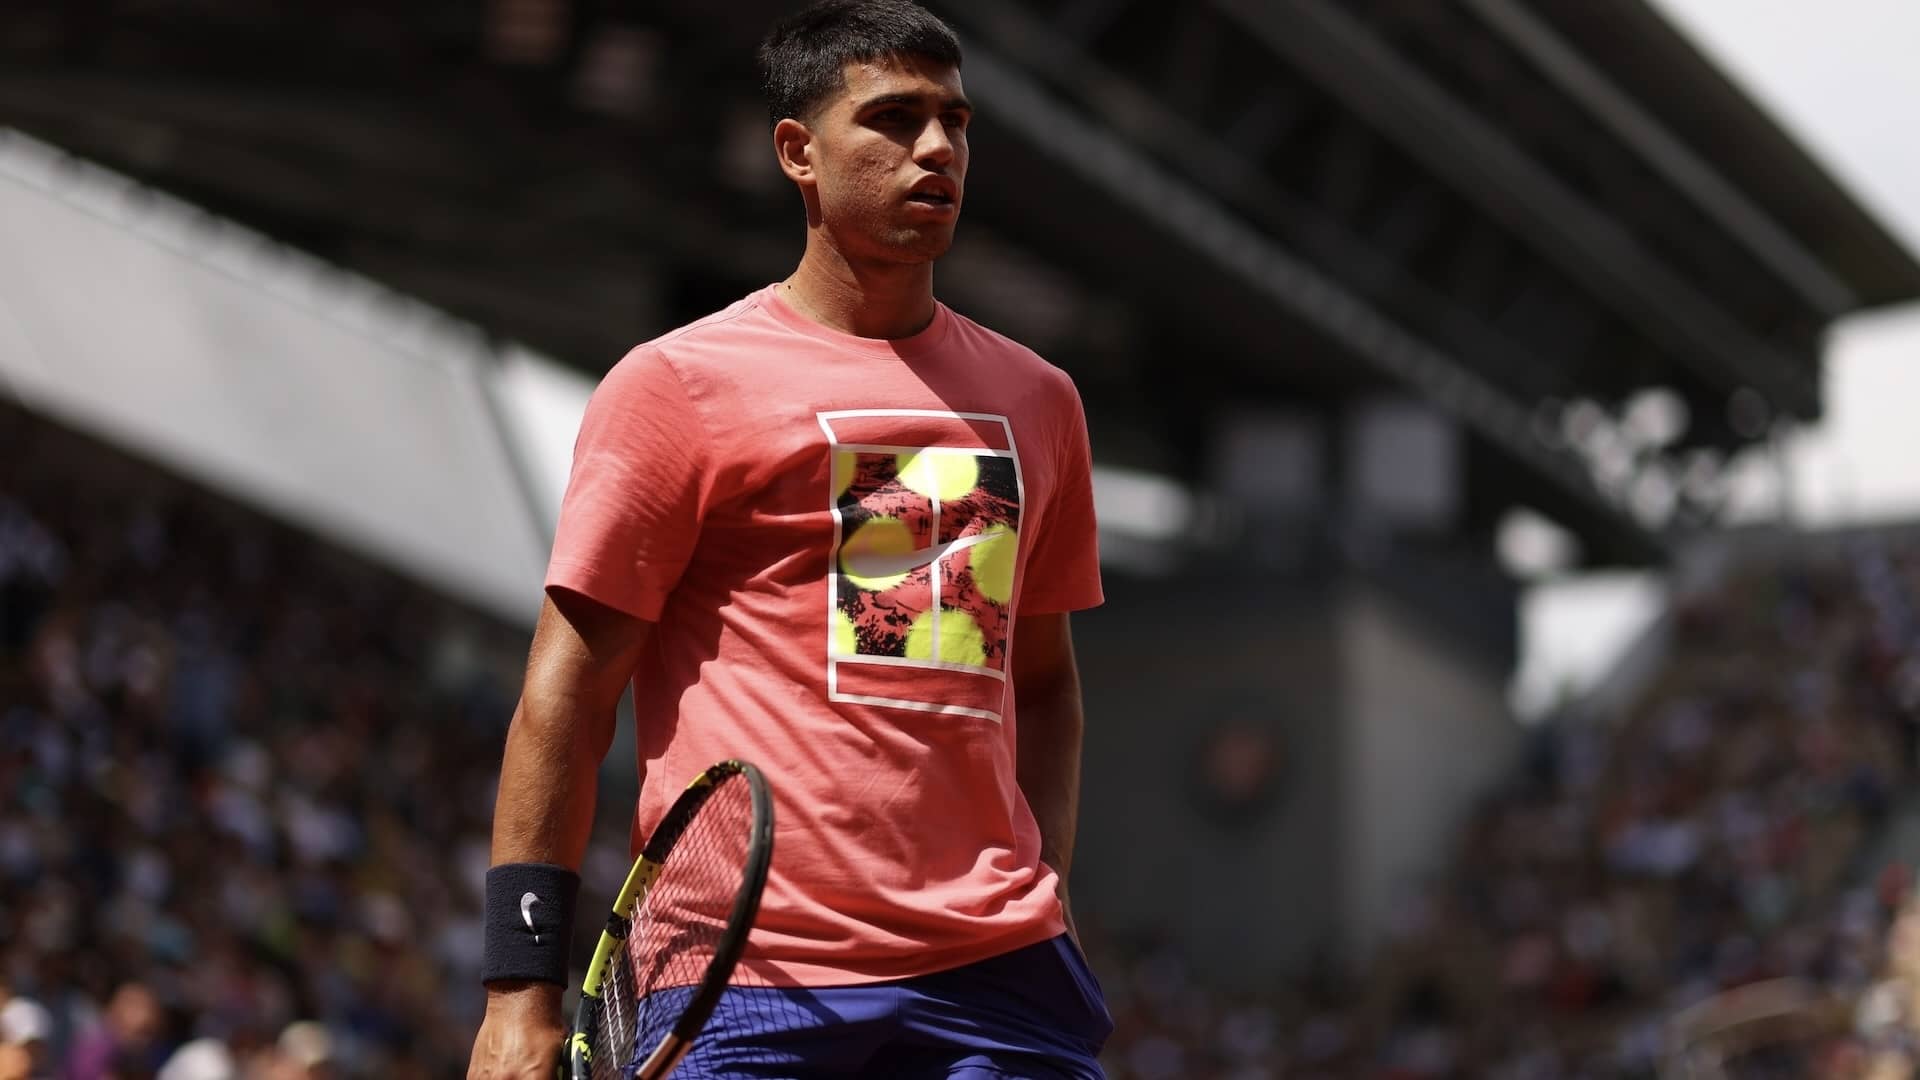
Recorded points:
(955, 120)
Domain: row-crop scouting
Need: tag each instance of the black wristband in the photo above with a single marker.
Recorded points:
(528, 923)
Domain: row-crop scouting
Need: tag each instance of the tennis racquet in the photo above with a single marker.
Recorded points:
(677, 929)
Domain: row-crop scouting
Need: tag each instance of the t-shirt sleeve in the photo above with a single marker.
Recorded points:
(637, 492)
(1063, 574)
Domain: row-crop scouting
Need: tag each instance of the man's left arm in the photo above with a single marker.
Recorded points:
(1049, 722)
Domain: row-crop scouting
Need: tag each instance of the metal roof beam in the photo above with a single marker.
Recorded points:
(1085, 19)
(1449, 139)
(1229, 170)
(1686, 171)
(1181, 210)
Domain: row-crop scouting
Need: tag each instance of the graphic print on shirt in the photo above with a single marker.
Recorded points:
(926, 509)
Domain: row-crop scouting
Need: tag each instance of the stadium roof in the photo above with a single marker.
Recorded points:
(1704, 110)
(1527, 212)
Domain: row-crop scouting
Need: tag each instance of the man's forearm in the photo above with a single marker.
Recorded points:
(581, 659)
(1048, 770)
(549, 777)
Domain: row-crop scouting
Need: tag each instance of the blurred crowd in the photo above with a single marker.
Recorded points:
(1689, 887)
(247, 783)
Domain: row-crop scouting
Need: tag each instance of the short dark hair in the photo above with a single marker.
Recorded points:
(803, 58)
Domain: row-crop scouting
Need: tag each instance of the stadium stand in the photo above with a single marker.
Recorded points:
(1645, 886)
(248, 783)
(174, 668)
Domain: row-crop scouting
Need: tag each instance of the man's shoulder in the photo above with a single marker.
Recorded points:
(1012, 357)
(668, 353)
(708, 329)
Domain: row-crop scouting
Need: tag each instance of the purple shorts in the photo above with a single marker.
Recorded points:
(1032, 1014)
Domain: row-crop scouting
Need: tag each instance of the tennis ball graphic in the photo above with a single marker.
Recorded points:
(961, 641)
(942, 476)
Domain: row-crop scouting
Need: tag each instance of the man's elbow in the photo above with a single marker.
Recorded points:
(564, 723)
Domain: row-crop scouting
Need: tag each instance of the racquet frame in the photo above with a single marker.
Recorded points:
(733, 940)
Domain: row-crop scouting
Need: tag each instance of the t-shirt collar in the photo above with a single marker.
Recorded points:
(928, 338)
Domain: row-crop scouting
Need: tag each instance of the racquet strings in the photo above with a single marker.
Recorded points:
(672, 941)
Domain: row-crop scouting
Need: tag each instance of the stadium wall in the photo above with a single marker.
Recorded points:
(1188, 684)
(1312, 749)
(1425, 731)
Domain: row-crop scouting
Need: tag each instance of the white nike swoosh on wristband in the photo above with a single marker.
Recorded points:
(527, 900)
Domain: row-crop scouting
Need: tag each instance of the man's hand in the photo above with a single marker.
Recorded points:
(521, 1035)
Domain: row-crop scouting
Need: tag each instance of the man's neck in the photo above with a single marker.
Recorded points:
(889, 300)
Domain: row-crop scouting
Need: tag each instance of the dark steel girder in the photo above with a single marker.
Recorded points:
(1084, 19)
(1286, 289)
(1450, 139)
(1689, 174)
(1373, 264)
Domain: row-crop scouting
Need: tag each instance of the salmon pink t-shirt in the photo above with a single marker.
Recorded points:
(833, 535)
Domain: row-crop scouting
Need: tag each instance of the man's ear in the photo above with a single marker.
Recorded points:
(793, 145)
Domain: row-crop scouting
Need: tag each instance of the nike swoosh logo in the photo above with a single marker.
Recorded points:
(878, 564)
(527, 900)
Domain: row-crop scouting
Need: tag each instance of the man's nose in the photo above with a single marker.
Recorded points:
(934, 148)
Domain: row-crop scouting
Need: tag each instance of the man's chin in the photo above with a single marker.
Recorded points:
(920, 244)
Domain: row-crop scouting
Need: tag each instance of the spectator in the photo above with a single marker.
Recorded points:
(125, 1043)
(26, 1032)
(304, 1052)
(201, 1059)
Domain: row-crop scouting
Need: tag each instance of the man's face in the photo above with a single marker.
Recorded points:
(890, 159)
(1903, 942)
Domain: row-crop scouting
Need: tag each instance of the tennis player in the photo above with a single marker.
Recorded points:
(835, 529)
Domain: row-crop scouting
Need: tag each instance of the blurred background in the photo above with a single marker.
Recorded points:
(1502, 412)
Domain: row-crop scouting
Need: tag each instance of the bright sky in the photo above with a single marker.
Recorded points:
(1843, 82)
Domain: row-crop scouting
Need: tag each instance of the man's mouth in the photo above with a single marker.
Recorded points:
(934, 192)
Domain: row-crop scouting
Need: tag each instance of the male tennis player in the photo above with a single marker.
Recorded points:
(835, 529)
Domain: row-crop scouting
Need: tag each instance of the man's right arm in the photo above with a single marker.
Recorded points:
(582, 657)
